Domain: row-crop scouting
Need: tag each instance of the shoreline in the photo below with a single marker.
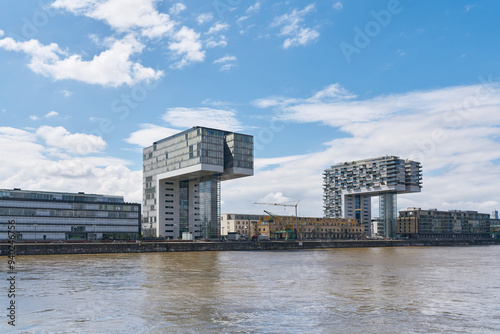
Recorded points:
(172, 246)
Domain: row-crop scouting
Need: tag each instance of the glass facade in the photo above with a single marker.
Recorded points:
(194, 161)
(210, 207)
(388, 213)
(65, 216)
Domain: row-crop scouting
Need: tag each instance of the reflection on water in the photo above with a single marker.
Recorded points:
(364, 290)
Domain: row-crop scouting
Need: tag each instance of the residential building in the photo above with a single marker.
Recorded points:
(349, 186)
(43, 215)
(286, 227)
(241, 224)
(416, 223)
(181, 180)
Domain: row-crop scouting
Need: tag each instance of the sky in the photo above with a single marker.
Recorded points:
(86, 84)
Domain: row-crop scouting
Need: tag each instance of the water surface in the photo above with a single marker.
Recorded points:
(362, 290)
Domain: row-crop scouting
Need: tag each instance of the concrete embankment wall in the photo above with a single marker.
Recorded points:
(148, 247)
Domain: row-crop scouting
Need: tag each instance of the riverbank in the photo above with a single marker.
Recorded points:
(149, 247)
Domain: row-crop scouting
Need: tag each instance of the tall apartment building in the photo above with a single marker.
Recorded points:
(349, 186)
(43, 215)
(454, 224)
(181, 180)
(494, 214)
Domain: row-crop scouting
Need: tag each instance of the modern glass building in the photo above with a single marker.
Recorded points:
(42, 215)
(181, 180)
(349, 186)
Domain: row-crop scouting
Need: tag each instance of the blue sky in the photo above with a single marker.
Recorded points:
(85, 84)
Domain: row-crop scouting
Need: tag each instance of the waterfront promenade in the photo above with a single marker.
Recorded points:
(177, 246)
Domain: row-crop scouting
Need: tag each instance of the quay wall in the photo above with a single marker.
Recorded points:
(149, 247)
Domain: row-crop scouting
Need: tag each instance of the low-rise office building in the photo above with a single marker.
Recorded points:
(416, 223)
(42, 215)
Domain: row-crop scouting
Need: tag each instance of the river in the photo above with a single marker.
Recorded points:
(361, 290)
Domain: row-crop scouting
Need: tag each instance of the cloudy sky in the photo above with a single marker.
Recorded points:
(86, 84)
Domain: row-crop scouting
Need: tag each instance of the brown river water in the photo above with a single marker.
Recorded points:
(362, 290)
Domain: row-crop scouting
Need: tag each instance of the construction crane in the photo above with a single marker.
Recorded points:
(288, 228)
(282, 204)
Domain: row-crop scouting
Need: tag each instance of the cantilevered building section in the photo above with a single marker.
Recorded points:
(182, 174)
(349, 186)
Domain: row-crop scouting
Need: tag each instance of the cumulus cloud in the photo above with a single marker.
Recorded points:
(141, 16)
(51, 114)
(454, 132)
(112, 67)
(123, 16)
(213, 118)
(218, 28)
(77, 143)
(177, 8)
(148, 134)
(205, 18)
(292, 27)
(27, 166)
(187, 45)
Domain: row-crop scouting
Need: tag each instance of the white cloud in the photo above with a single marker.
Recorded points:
(1, 32)
(254, 8)
(27, 166)
(187, 46)
(469, 6)
(337, 5)
(123, 15)
(205, 18)
(292, 27)
(218, 27)
(51, 114)
(142, 16)
(212, 43)
(112, 67)
(213, 118)
(65, 92)
(227, 62)
(177, 8)
(78, 143)
(225, 59)
(453, 131)
(34, 117)
(148, 134)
